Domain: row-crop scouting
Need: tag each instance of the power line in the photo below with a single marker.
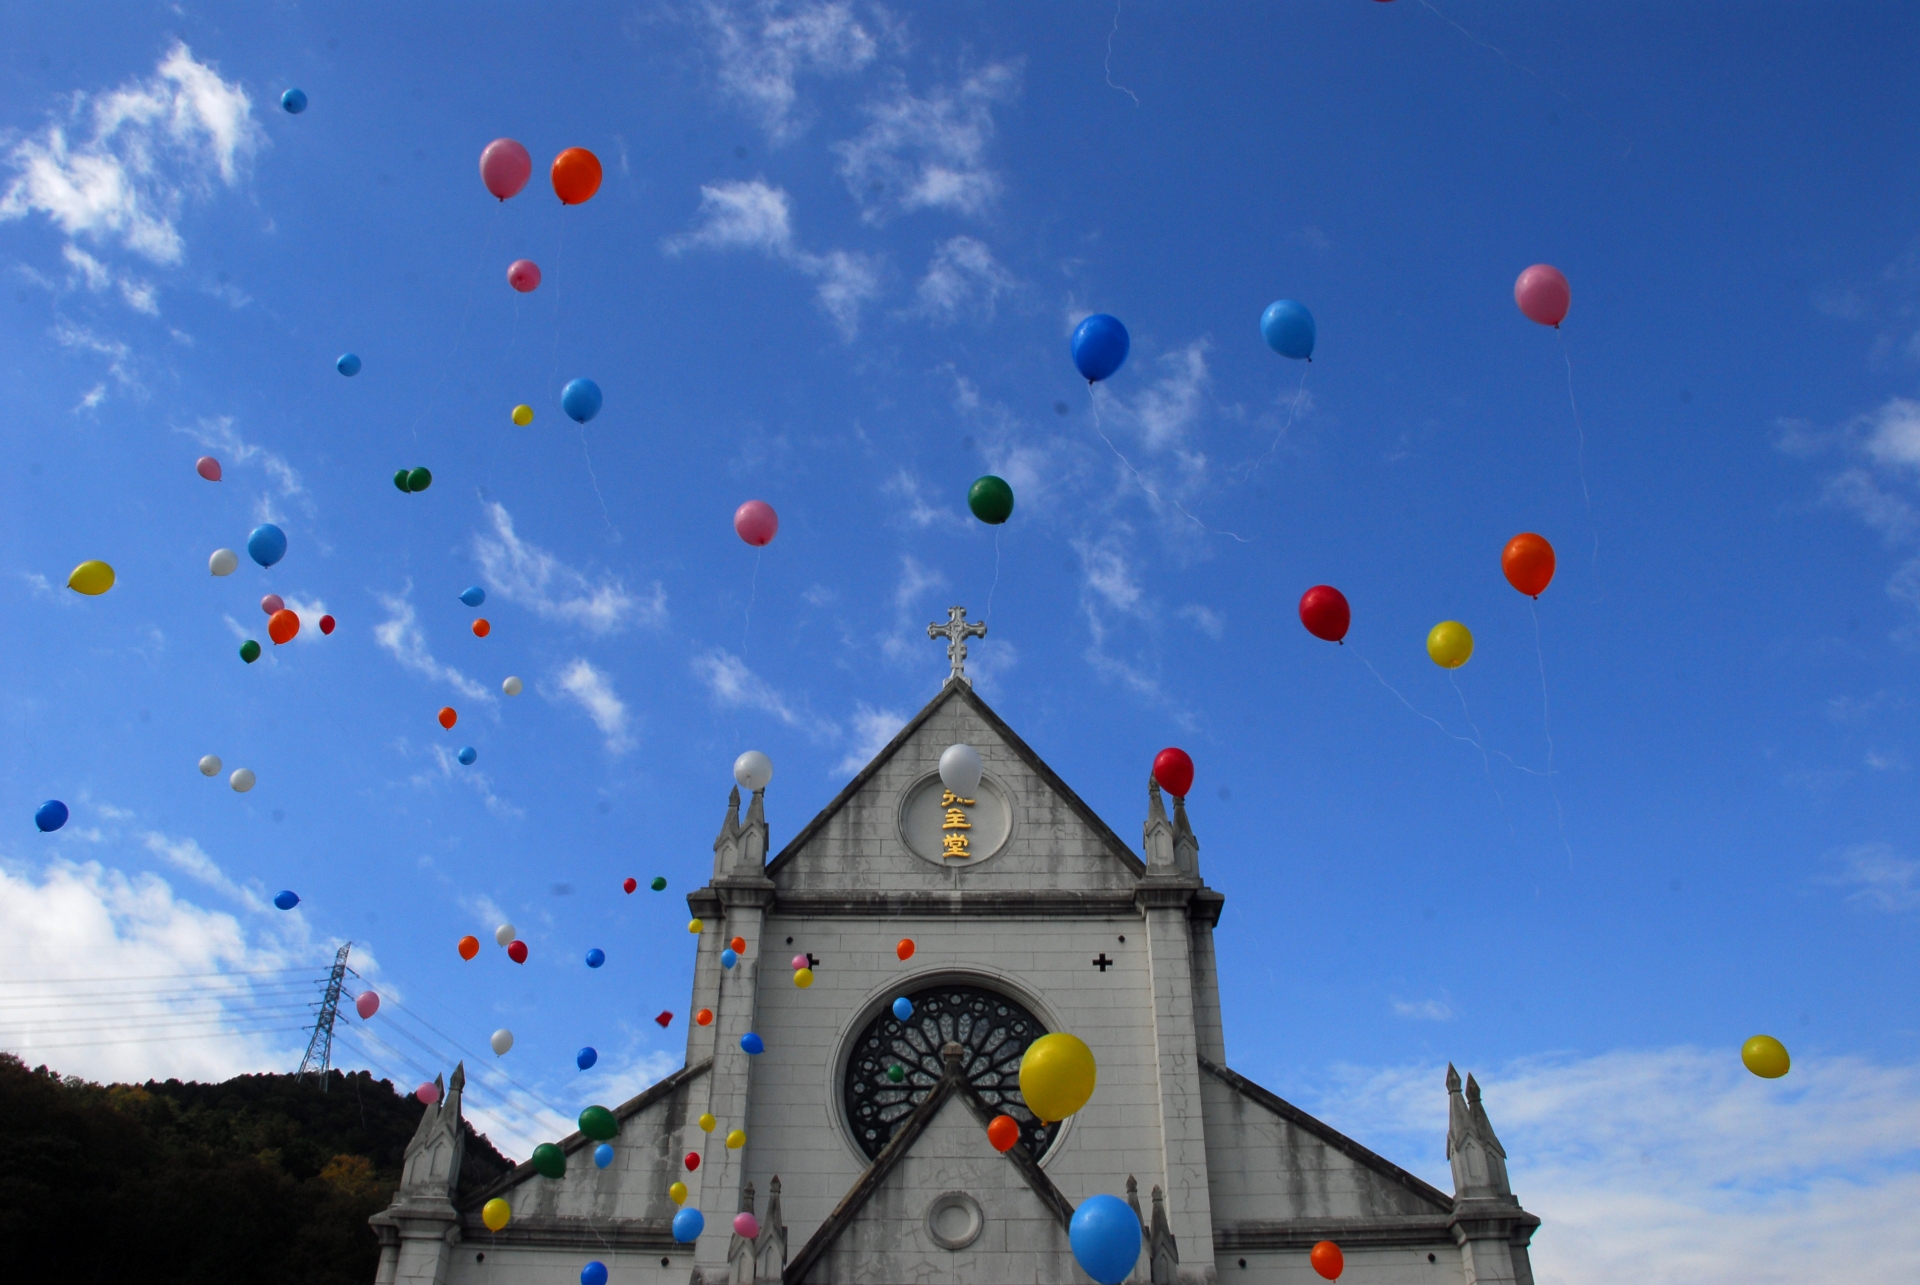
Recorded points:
(155, 1039)
(170, 977)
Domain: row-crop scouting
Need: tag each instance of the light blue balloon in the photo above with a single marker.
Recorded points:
(594, 1273)
(1105, 1235)
(286, 900)
(1100, 347)
(348, 365)
(596, 957)
(295, 101)
(580, 400)
(1288, 329)
(753, 1043)
(603, 1155)
(267, 545)
(474, 597)
(586, 1057)
(688, 1224)
(728, 959)
(903, 1008)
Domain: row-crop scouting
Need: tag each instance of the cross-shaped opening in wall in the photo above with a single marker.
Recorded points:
(812, 961)
(1103, 963)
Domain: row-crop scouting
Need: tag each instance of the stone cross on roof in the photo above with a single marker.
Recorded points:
(956, 631)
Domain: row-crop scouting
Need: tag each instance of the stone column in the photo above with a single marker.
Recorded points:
(1165, 901)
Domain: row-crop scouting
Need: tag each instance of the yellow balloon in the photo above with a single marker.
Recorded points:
(523, 415)
(706, 1123)
(677, 1193)
(694, 925)
(803, 977)
(91, 578)
(1766, 1057)
(1057, 1075)
(737, 1139)
(495, 1213)
(1450, 644)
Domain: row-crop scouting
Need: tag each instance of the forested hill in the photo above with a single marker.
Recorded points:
(261, 1178)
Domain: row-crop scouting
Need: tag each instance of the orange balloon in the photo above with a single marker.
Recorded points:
(576, 176)
(739, 945)
(1528, 563)
(481, 629)
(1003, 1132)
(1327, 1258)
(905, 948)
(448, 718)
(469, 947)
(703, 1018)
(282, 625)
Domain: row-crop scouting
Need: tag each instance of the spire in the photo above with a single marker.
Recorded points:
(770, 1249)
(1163, 1251)
(1158, 836)
(753, 836)
(1133, 1201)
(432, 1164)
(740, 1255)
(726, 848)
(1479, 1161)
(1186, 848)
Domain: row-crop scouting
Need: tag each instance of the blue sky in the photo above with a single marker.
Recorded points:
(833, 265)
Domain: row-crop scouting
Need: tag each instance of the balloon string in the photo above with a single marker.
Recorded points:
(1479, 743)
(1109, 63)
(753, 590)
(1141, 478)
(996, 574)
(1292, 408)
(1546, 725)
(1582, 432)
(611, 529)
(1517, 766)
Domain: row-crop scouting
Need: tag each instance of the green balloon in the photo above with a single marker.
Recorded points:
(419, 480)
(400, 480)
(598, 1123)
(659, 883)
(249, 651)
(991, 500)
(896, 1073)
(549, 1161)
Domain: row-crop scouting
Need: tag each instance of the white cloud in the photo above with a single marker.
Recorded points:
(1424, 1010)
(1893, 433)
(221, 438)
(187, 856)
(309, 612)
(99, 278)
(1166, 409)
(1878, 875)
(764, 48)
(401, 636)
(123, 171)
(928, 153)
(915, 580)
(452, 769)
(528, 575)
(592, 690)
(119, 358)
(1889, 514)
(1206, 620)
(1110, 576)
(737, 687)
(872, 729)
(920, 513)
(962, 277)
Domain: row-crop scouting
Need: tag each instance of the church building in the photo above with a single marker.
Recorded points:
(865, 1155)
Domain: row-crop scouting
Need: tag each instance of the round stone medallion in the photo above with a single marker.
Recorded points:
(954, 1220)
(946, 830)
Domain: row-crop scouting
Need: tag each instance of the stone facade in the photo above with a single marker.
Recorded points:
(1077, 930)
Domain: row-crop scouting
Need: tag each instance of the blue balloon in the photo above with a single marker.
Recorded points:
(348, 365)
(688, 1224)
(603, 1155)
(50, 816)
(580, 400)
(903, 1008)
(596, 957)
(1105, 1235)
(286, 900)
(753, 1043)
(1288, 329)
(595, 1272)
(728, 959)
(1100, 345)
(586, 1057)
(267, 545)
(474, 596)
(467, 755)
(295, 101)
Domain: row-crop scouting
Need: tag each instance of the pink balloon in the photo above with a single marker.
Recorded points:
(523, 275)
(1543, 294)
(756, 522)
(505, 167)
(745, 1225)
(799, 962)
(428, 1093)
(208, 467)
(367, 1005)
(272, 603)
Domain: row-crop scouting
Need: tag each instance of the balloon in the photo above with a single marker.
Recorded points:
(419, 479)
(1003, 1133)
(739, 945)
(523, 415)
(753, 1043)
(502, 1041)
(210, 765)
(603, 1155)
(800, 961)
(905, 949)
(1057, 1075)
(50, 816)
(267, 545)
(1100, 345)
(596, 957)
(249, 651)
(241, 780)
(473, 596)
(1327, 1260)
(505, 167)
(224, 562)
(960, 769)
(92, 578)
(746, 1226)
(400, 481)
(753, 770)
(688, 1224)
(428, 1093)
(803, 977)
(703, 1018)
(513, 686)
(903, 1009)
(1324, 611)
(287, 899)
(659, 883)
(598, 1123)
(677, 1193)
(504, 934)
(517, 951)
(736, 1139)
(1174, 770)
(293, 102)
(665, 1019)
(706, 1122)
(1766, 1057)
(576, 176)
(727, 958)
(448, 718)
(208, 467)
(348, 364)
(326, 624)
(282, 626)
(756, 522)
(481, 628)
(1543, 295)
(1450, 644)
(549, 1161)
(691, 1160)
(366, 1005)
(581, 400)
(495, 1213)
(523, 275)
(271, 603)
(1105, 1235)
(467, 755)
(629, 886)
(990, 499)
(695, 926)
(469, 946)
(1527, 562)
(594, 1273)
(1288, 329)
(586, 1057)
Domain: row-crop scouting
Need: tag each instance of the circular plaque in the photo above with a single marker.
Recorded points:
(950, 831)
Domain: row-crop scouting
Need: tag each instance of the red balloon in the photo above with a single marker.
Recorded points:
(739, 945)
(756, 523)
(517, 951)
(523, 275)
(208, 467)
(1324, 611)
(663, 1019)
(505, 167)
(1328, 1260)
(703, 1018)
(481, 628)
(905, 948)
(367, 1005)
(1527, 562)
(326, 624)
(1543, 294)
(282, 625)
(631, 884)
(1003, 1133)
(576, 176)
(1174, 770)
(469, 947)
(693, 1161)
(448, 718)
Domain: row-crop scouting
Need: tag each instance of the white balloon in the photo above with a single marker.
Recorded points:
(502, 1041)
(223, 562)
(512, 687)
(241, 780)
(960, 769)
(504, 934)
(210, 765)
(753, 770)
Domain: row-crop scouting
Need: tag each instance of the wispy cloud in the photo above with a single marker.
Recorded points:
(188, 857)
(735, 686)
(592, 690)
(963, 279)
(764, 48)
(1878, 876)
(525, 574)
(223, 439)
(118, 354)
(449, 768)
(906, 487)
(1423, 1010)
(401, 637)
(872, 729)
(1205, 619)
(98, 278)
(920, 153)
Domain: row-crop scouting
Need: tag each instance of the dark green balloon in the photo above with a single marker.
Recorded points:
(549, 1161)
(400, 480)
(419, 480)
(991, 500)
(896, 1073)
(659, 883)
(249, 651)
(598, 1123)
